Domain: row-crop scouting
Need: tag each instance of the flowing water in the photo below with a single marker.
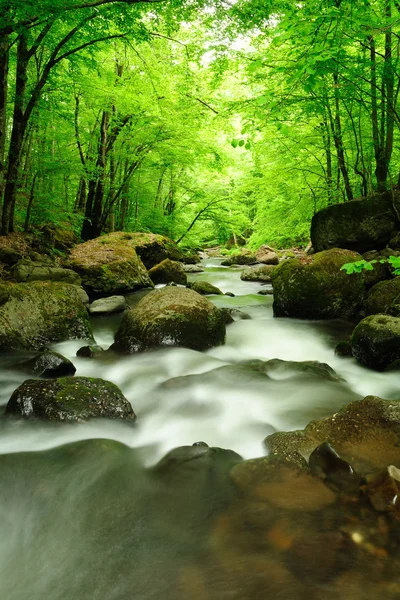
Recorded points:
(85, 517)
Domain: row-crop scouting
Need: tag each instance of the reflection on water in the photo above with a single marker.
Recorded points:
(94, 520)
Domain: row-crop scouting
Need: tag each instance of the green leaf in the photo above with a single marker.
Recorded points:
(241, 143)
(234, 143)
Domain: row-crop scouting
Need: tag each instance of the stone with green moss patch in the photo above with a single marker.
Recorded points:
(375, 342)
(384, 297)
(69, 399)
(204, 288)
(39, 313)
(171, 316)
(168, 271)
(314, 287)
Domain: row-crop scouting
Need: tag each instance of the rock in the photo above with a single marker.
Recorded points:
(27, 270)
(59, 237)
(289, 368)
(90, 351)
(192, 268)
(365, 434)
(233, 314)
(108, 306)
(244, 258)
(395, 242)
(168, 271)
(384, 297)
(343, 349)
(195, 459)
(314, 287)
(49, 364)
(9, 256)
(383, 489)
(229, 294)
(204, 288)
(266, 292)
(154, 248)
(69, 399)
(39, 313)
(190, 258)
(263, 274)
(326, 463)
(170, 316)
(375, 342)
(359, 225)
(267, 255)
(380, 271)
(109, 264)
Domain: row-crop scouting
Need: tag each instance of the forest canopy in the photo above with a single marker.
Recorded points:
(209, 121)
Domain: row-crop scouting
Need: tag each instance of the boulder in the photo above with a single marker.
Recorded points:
(69, 399)
(267, 255)
(108, 306)
(284, 369)
(171, 316)
(9, 256)
(204, 288)
(365, 434)
(154, 248)
(109, 264)
(189, 268)
(359, 225)
(375, 342)
(244, 258)
(89, 351)
(314, 287)
(263, 274)
(28, 270)
(61, 237)
(384, 297)
(39, 313)
(49, 364)
(168, 271)
(379, 272)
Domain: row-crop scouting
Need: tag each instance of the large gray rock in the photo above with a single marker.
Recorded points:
(28, 270)
(33, 315)
(109, 264)
(108, 306)
(314, 287)
(360, 225)
(69, 399)
(263, 274)
(171, 316)
(375, 342)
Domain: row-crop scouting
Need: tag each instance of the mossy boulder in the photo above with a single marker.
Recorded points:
(29, 270)
(48, 364)
(69, 399)
(365, 433)
(314, 287)
(109, 264)
(171, 316)
(263, 274)
(154, 248)
(168, 271)
(204, 288)
(384, 297)
(245, 257)
(9, 256)
(39, 313)
(375, 342)
(360, 225)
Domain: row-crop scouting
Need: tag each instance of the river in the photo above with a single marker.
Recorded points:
(92, 520)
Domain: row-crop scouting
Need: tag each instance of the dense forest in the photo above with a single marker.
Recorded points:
(208, 121)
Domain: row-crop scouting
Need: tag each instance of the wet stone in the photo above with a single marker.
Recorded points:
(383, 489)
(49, 365)
(326, 463)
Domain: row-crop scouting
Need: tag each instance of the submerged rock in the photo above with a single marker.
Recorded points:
(49, 364)
(375, 342)
(69, 399)
(325, 462)
(109, 264)
(168, 271)
(39, 313)
(383, 489)
(277, 366)
(360, 225)
(204, 288)
(171, 316)
(314, 287)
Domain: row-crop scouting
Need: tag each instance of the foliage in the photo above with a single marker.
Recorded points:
(368, 265)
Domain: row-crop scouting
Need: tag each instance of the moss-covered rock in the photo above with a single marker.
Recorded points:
(154, 248)
(204, 288)
(29, 270)
(263, 274)
(314, 287)
(49, 364)
(360, 225)
(168, 271)
(375, 342)
(365, 433)
(36, 314)
(9, 256)
(171, 316)
(384, 297)
(69, 399)
(109, 264)
(245, 257)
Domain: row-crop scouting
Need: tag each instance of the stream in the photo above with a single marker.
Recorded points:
(84, 517)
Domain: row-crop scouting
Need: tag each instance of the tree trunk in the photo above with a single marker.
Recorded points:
(4, 58)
